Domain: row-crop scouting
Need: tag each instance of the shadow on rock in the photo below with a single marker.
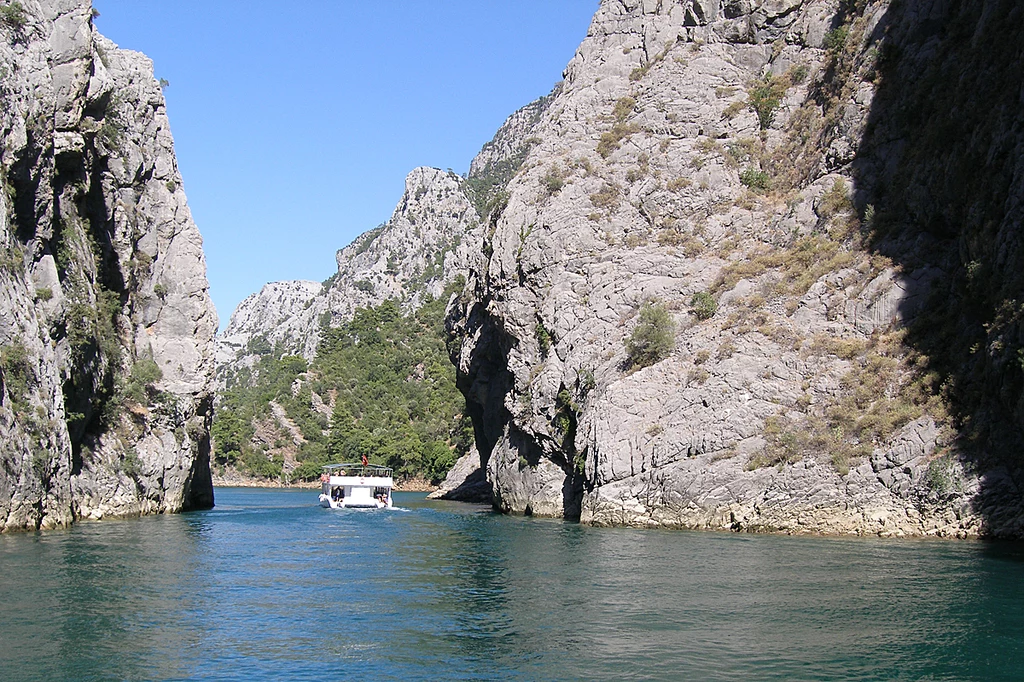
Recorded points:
(940, 184)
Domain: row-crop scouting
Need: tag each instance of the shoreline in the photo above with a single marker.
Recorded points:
(412, 486)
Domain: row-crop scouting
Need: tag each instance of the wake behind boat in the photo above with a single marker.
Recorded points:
(356, 485)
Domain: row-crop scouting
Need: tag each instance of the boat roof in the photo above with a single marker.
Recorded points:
(368, 469)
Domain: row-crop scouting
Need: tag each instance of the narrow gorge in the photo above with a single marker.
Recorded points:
(752, 265)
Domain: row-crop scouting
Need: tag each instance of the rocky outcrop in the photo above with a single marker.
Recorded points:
(747, 176)
(428, 243)
(465, 482)
(106, 330)
(280, 313)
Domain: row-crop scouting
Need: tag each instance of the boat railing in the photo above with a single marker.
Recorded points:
(358, 469)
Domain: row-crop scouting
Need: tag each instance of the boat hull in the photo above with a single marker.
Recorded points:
(327, 503)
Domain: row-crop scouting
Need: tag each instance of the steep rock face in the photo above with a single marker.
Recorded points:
(426, 244)
(106, 327)
(280, 312)
(730, 165)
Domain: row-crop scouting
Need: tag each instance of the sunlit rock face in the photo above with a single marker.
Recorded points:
(427, 244)
(106, 326)
(821, 203)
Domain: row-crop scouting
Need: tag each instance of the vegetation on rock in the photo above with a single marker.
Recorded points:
(13, 14)
(653, 338)
(380, 385)
(703, 305)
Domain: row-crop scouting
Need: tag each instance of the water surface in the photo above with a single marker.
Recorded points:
(270, 586)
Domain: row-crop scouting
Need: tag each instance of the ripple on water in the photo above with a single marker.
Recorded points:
(269, 585)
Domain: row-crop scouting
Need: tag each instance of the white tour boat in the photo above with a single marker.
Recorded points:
(366, 486)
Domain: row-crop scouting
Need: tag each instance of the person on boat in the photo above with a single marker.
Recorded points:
(365, 461)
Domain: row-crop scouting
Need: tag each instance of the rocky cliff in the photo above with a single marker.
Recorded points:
(106, 331)
(761, 270)
(426, 244)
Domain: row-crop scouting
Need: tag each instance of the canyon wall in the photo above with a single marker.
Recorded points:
(106, 331)
(760, 269)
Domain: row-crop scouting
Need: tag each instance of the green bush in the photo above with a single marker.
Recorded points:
(611, 140)
(607, 197)
(585, 383)
(653, 338)
(703, 305)
(131, 465)
(544, 338)
(943, 476)
(765, 99)
(836, 200)
(623, 108)
(553, 181)
(756, 180)
(835, 40)
(145, 372)
(16, 371)
(13, 14)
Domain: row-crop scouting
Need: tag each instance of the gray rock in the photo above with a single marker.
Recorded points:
(465, 482)
(105, 271)
(649, 135)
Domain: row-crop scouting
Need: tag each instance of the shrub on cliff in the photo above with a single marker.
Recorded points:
(145, 373)
(755, 179)
(653, 337)
(13, 14)
(703, 305)
(766, 97)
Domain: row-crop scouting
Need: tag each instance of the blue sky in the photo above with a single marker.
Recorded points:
(295, 123)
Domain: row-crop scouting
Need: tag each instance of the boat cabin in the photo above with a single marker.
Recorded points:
(356, 485)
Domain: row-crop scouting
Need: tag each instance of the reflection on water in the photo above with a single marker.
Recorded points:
(270, 585)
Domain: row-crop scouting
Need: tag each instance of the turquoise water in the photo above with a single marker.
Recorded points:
(270, 586)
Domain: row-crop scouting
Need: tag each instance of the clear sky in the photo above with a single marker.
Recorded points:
(295, 123)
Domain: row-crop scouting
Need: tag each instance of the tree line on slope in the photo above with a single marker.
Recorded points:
(381, 385)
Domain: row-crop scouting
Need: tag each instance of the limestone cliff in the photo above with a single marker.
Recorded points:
(425, 245)
(106, 328)
(818, 204)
